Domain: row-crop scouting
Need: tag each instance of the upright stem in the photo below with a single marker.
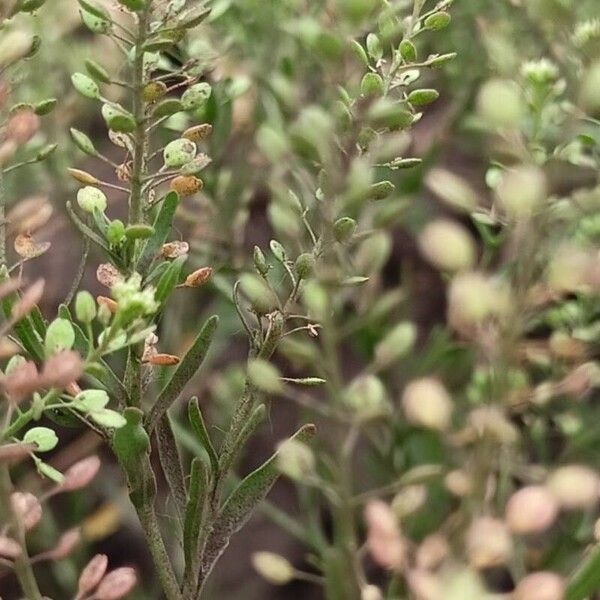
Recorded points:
(22, 564)
(2, 220)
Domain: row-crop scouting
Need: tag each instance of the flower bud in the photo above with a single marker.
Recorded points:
(343, 229)
(186, 185)
(500, 103)
(426, 403)
(260, 262)
(59, 336)
(543, 585)
(409, 500)
(295, 459)
(490, 422)
(9, 548)
(447, 245)
(452, 189)
(521, 191)
(91, 199)
(488, 543)
(195, 96)
(396, 343)
(178, 152)
(85, 85)
(574, 487)
(115, 232)
(272, 567)
(532, 509)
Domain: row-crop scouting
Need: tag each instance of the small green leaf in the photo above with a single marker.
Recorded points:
(169, 279)
(96, 71)
(44, 438)
(45, 470)
(108, 418)
(197, 493)
(167, 108)
(585, 581)
(199, 427)
(90, 401)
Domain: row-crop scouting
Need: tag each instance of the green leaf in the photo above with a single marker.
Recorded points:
(44, 438)
(169, 279)
(194, 512)
(185, 370)
(239, 506)
(586, 579)
(87, 232)
(162, 227)
(45, 470)
(94, 10)
(199, 427)
(108, 418)
(171, 462)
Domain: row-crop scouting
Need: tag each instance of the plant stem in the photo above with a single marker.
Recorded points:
(22, 564)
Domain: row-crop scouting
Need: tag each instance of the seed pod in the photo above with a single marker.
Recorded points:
(366, 398)
(9, 548)
(27, 248)
(198, 132)
(179, 152)
(488, 543)
(408, 51)
(398, 342)
(574, 486)
(59, 336)
(27, 509)
(153, 91)
(92, 574)
(381, 190)
(22, 125)
(272, 567)
(196, 165)
(390, 114)
(384, 541)
(83, 142)
(195, 96)
(118, 119)
(167, 107)
(198, 277)
(108, 303)
(426, 403)
(95, 23)
(85, 307)
(29, 5)
(500, 103)
(85, 85)
(14, 45)
(139, 231)
(295, 459)
(107, 274)
(371, 85)
(532, 509)
(264, 376)
(305, 265)
(447, 245)
(174, 249)
(91, 199)
(522, 191)
(116, 584)
(423, 97)
(437, 21)
(374, 46)
(96, 71)
(45, 106)
(441, 60)
(344, 228)
(542, 585)
(356, 11)
(45, 152)
(163, 360)
(83, 176)
(258, 293)
(186, 185)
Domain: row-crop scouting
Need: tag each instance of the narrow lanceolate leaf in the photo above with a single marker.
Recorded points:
(171, 462)
(586, 579)
(162, 226)
(194, 513)
(199, 427)
(239, 506)
(184, 372)
(169, 279)
(85, 230)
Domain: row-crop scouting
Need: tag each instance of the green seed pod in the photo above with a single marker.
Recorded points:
(139, 231)
(29, 5)
(278, 251)
(441, 60)
(437, 21)
(423, 97)
(258, 293)
(118, 119)
(381, 190)
(115, 232)
(167, 107)
(85, 85)
(305, 265)
(360, 53)
(45, 106)
(83, 142)
(316, 299)
(85, 307)
(91, 199)
(260, 262)
(344, 229)
(59, 336)
(398, 342)
(196, 95)
(273, 568)
(44, 438)
(390, 114)
(153, 91)
(408, 51)
(95, 23)
(179, 152)
(366, 398)
(371, 85)
(96, 71)
(133, 5)
(374, 47)
(45, 152)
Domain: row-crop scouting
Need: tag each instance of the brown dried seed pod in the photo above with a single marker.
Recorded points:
(163, 359)
(108, 302)
(83, 176)
(9, 548)
(153, 91)
(62, 369)
(186, 185)
(174, 249)
(27, 509)
(27, 248)
(197, 133)
(22, 125)
(22, 381)
(198, 277)
(123, 173)
(108, 275)
(30, 214)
